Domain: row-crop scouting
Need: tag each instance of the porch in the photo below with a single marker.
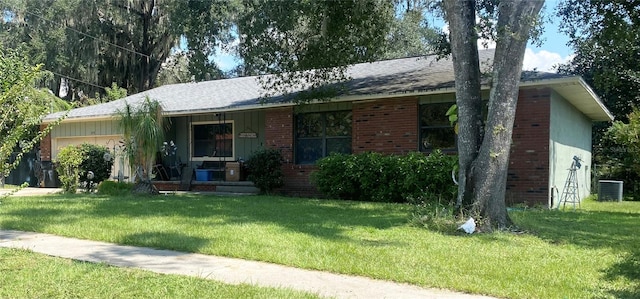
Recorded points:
(230, 187)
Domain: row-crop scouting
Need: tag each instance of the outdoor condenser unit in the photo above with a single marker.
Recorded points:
(610, 190)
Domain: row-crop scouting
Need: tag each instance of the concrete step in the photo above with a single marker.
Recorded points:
(244, 189)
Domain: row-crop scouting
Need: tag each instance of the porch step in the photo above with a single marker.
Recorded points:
(237, 188)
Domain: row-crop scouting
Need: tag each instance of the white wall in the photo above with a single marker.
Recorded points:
(105, 133)
(570, 136)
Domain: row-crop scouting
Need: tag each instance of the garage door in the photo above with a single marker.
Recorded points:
(105, 140)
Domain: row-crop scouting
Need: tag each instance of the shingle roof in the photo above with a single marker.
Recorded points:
(388, 77)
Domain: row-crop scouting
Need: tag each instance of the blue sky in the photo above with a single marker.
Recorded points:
(554, 49)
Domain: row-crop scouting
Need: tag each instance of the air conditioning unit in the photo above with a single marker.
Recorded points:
(610, 190)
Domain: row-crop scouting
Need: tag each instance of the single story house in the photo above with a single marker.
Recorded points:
(392, 106)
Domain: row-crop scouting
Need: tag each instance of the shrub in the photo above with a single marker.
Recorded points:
(428, 174)
(68, 167)
(265, 170)
(115, 188)
(337, 186)
(387, 178)
(94, 160)
(75, 161)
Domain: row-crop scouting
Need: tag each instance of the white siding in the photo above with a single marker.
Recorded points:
(104, 133)
(570, 136)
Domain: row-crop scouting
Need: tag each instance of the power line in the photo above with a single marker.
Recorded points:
(77, 80)
(84, 34)
(87, 35)
(39, 16)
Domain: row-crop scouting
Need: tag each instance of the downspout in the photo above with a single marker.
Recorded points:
(553, 198)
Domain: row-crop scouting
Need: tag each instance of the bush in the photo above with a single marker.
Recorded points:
(387, 178)
(337, 186)
(75, 161)
(94, 160)
(265, 170)
(115, 188)
(68, 167)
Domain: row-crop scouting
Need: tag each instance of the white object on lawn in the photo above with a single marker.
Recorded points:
(469, 227)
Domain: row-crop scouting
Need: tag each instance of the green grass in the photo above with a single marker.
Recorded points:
(30, 275)
(590, 253)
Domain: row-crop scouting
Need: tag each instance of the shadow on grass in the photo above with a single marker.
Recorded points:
(628, 268)
(596, 229)
(617, 231)
(164, 240)
(319, 218)
(34, 219)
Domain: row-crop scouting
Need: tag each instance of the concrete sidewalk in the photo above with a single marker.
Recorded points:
(228, 270)
(31, 191)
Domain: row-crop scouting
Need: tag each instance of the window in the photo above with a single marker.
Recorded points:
(435, 130)
(212, 140)
(320, 134)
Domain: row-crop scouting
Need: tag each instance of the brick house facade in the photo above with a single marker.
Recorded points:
(390, 126)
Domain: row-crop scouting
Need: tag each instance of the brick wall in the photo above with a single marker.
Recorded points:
(391, 126)
(528, 174)
(45, 145)
(387, 126)
(278, 131)
(279, 135)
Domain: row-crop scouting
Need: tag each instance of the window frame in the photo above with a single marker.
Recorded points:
(209, 158)
(454, 150)
(323, 138)
(421, 148)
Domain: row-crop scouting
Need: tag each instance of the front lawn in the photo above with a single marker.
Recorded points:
(594, 252)
(31, 275)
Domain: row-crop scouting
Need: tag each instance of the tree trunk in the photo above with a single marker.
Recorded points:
(484, 178)
(145, 187)
(464, 48)
(515, 21)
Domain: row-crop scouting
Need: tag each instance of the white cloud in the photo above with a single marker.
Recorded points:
(543, 60)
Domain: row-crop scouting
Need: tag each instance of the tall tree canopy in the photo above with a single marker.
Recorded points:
(410, 34)
(92, 43)
(309, 43)
(606, 38)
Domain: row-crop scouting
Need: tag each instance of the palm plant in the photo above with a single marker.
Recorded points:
(143, 130)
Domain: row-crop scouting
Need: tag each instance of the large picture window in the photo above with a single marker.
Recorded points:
(320, 134)
(212, 140)
(435, 130)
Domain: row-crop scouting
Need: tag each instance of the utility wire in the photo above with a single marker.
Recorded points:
(87, 35)
(77, 80)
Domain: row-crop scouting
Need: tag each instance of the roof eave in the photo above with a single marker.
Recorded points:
(577, 92)
(574, 89)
